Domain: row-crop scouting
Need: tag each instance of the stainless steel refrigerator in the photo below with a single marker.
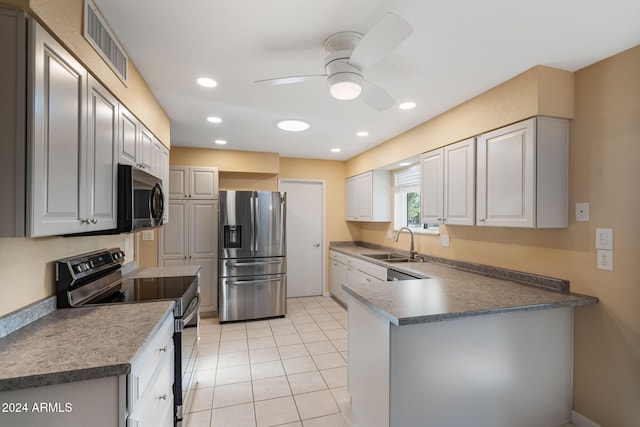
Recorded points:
(252, 280)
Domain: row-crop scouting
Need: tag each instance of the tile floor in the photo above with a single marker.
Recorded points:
(288, 372)
(284, 372)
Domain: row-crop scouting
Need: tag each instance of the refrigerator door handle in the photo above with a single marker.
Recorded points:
(253, 223)
(256, 220)
(252, 282)
(250, 264)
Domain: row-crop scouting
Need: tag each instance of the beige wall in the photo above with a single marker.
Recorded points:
(26, 265)
(604, 171)
(64, 19)
(538, 91)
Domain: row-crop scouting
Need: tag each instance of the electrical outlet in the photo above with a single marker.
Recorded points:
(147, 235)
(444, 240)
(605, 259)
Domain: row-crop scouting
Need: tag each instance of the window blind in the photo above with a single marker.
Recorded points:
(407, 180)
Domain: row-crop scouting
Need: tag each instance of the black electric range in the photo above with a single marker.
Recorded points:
(95, 278)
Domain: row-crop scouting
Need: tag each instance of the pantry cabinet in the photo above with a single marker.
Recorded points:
(522, 175)
(187, 182)
(191, 238)
(448, 184)
(368, 197)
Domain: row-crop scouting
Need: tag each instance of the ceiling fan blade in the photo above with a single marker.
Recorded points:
(376, 97)
(289, 80)
(383, 38)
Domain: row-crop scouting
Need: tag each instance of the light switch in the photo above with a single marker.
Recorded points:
(444, 240)
(604, 238)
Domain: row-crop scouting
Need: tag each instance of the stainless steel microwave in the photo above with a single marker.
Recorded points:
(140, 200)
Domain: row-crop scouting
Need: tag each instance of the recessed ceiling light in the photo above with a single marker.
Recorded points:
(220, 141)
(207, 82)
(336, 150)
(407, 105)
(404, 163)
(362, 133)
(293, 125)
(213, 119)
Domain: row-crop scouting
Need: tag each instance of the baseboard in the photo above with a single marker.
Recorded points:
(582, 421)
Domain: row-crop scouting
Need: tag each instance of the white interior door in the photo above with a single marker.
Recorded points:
(305, 237)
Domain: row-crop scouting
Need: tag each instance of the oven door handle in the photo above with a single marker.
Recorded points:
(191, 311)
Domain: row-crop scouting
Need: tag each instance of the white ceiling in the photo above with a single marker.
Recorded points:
(459, 49)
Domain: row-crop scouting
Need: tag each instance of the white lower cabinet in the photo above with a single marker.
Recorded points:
(150, 384)
(140, 399)
(345, 269)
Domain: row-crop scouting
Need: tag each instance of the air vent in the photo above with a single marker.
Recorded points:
(100, 36)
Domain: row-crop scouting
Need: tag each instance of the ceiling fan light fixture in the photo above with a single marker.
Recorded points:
(345, 86)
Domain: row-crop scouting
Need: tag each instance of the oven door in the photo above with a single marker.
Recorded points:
(186, 341)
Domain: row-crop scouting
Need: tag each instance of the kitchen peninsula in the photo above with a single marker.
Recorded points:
(460, 347)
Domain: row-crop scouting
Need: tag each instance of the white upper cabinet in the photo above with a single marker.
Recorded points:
(432, 190)
(448, 184)
(102, 157)
(74, 145)
(136, 142)
(57, 188)
(193, 182)
(522, 175)
(368, 197)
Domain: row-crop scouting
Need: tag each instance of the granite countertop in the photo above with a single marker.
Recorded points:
(77, 344)
(447, 292)
(151, 272)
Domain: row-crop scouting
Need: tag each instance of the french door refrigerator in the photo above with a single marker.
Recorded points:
(252, 280)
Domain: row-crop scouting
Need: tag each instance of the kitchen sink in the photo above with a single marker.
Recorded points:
(390, 257)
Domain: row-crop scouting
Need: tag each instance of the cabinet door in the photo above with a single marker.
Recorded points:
(350, 201)
(432, 190)
(102, 157)
(459, 183)
(128, 137)
(364, 197)
(58, 136)
(203, 183)
(203, 228)
(145, 151)
(506, 176)
(208, 284)
(178, 182)
(174, 241)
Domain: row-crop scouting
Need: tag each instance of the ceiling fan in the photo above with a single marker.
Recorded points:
(349, 53)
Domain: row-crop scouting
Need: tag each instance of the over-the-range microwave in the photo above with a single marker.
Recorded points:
(140, 202)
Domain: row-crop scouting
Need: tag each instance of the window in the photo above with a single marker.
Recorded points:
(407, 200)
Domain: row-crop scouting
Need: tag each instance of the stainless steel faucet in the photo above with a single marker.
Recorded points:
(413, 250)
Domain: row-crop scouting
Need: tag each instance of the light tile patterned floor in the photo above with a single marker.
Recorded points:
(284, 372)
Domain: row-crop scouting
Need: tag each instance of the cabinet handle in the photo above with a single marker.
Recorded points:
(481, 220)
(163, 348)
(93, 221)
(84, 221)
(163, 397)
(185, 257)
